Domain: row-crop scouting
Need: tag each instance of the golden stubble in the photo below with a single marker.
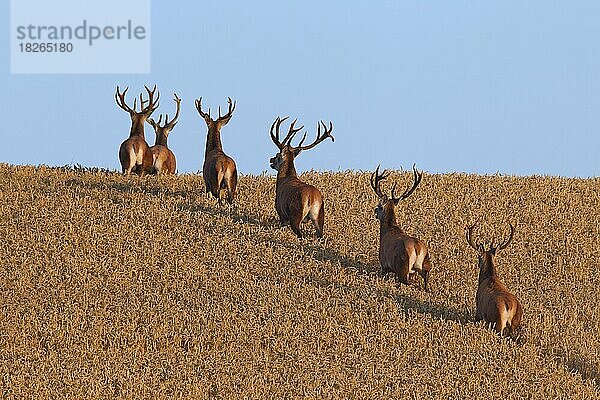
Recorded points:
(128, 287)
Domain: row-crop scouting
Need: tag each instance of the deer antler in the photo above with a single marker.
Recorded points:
(320, 136)
(290, 135)
(152, 102)
(230, 108)
(204, 115)
(469, 234)
(417, 176)
(506, 242)
(120, 99)
(221, 120)
(376, 179)
(149, 109)
(170, 124)
(275, 135)
(155, 124)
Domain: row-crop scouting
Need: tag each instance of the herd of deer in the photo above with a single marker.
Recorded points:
(297, 202)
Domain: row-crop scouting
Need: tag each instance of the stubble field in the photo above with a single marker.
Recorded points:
(121, 287)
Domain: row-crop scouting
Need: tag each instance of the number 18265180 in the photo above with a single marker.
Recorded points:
(36, 47)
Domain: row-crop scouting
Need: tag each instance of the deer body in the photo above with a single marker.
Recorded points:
(220, 175)
(399, 253)
(134, 153)
(403, 255)
(219, 170)
(494, 304)
(295, 201)
(163, 159)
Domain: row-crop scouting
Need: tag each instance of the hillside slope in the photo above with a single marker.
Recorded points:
(115, 286)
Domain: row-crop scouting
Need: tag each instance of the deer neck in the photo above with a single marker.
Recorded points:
(137, 127)
(389, 220)
(213, 140)
(287, 170)
(488, 270)
(161, 139)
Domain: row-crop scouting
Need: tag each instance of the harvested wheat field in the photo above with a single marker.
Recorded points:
(121, 287)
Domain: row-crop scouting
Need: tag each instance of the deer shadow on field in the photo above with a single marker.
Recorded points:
(585, 368)
(206, 205)
(128, 188)
(233, 212)
(321, 252)
(406, 304)
(317, 250)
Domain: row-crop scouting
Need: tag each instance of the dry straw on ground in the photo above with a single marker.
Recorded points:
(121, 287)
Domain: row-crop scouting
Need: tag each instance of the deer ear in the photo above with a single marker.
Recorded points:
(396, 201)
(296, 152)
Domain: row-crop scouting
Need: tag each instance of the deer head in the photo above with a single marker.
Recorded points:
(287, 153)
(486, 254)
(221, 121)
(138, 117)
(385, 208)
(162, 131)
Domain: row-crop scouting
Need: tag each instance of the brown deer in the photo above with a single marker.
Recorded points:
(134, 153)
(219, 170)
(398, 252)
(296, 201)
(163, 158)
(494, 303)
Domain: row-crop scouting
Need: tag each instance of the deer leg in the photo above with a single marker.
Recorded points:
(320, 221)
(283, 221)
(207, 186)
(478, 316)
(500, 329)
(402, 277)
(147, 165)
(402, 271)
(425, 275)
(424, 272)
(383, 271)
(509, 330)
(214, 191)
(220, 187)
(295, 225)
(231, 187)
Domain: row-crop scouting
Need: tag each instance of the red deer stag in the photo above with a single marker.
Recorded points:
(219, 170)
(398, 252)
(296, 201)
(163, 158)
(494, 303)
(134, 153)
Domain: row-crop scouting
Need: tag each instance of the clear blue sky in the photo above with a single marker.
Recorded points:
(465, 86)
